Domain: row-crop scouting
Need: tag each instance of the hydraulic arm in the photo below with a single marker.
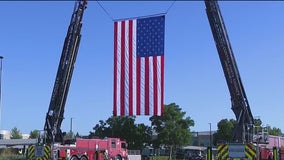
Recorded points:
(55, 113)
(240, 105)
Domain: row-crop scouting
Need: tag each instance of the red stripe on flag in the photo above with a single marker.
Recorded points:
(130, 68)
(147, 85)
(162, 85)
(138, 85)
(155, 85)
(115, 71)
(122, 70)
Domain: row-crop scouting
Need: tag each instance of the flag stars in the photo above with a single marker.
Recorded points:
(150, 35)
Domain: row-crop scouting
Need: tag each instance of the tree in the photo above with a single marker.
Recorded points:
(101, 130)
(143, 134)
(274, 131)
(124, 128)
(257, 126)
(69, 135)
(34, 134)
(271, 131)
(257, 122)
(16, 134)
(173, 129)
(121, 127)
(224, 131)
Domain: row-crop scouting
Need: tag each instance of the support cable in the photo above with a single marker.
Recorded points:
(111, 17)
(106, 12)
(170, 6)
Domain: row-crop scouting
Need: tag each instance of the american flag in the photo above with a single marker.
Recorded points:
(139, 66)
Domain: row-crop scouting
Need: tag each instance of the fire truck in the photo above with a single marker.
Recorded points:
(243, 145)
(51, 144)
(94, 149)
(239, 101)
(272, 144)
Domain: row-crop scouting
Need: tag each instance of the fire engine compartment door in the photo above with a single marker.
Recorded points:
(236, 150)
(39, 151)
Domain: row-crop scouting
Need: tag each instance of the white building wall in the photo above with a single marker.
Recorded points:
(5, 134)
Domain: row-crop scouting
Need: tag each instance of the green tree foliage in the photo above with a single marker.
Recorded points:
(77, 135)
(257, 122)
(119, 126)
(271, 130)
(70, 135)
(224, 131)
(257, 126)
(274, 131)
(173, 128)
(34, 134)
(101, 130)
(124, 128)
(143, 135)
(16, 134)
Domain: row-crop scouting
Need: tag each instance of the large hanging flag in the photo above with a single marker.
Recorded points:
(139, 66)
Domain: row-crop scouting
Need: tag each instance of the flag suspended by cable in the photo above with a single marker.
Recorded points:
(139, 66)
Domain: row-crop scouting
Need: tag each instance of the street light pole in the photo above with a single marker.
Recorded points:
(210, 141)
(71, 125)
(1, 58)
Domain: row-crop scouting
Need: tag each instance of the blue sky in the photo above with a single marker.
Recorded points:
(32, 36)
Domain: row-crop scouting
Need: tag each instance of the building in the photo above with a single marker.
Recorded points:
(5, 134)
(202, 138)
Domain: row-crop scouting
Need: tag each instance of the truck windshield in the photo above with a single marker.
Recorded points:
(123, 145)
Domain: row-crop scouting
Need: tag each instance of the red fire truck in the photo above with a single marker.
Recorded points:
(94, 149)
(243, 133)
(266, 150)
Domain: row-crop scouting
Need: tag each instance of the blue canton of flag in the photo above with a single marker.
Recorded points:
(150, 36)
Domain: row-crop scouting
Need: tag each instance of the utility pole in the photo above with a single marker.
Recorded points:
(1, 58)
(210, 141)
(71, 125)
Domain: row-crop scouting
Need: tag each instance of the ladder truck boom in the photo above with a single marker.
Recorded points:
(55, 114)
(240, 105)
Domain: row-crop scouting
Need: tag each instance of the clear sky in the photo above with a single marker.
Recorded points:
(32, 36)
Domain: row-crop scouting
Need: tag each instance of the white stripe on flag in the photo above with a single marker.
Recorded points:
(159, 84)
(151, 87)
(118, 67)
(126, 71)
(142, 86)
(134, 66)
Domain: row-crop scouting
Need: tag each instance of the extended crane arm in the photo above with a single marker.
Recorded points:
(55, 113)
(240, 105)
